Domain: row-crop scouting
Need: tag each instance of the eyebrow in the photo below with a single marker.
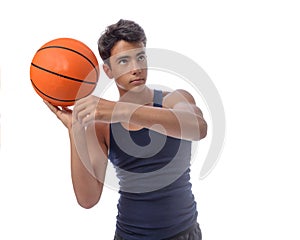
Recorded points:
(140, 53)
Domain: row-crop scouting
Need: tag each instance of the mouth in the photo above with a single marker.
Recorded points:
(137, 81)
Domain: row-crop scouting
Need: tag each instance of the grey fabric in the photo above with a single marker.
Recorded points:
(193, 233)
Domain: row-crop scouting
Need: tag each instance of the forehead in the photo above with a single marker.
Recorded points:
(123, 47)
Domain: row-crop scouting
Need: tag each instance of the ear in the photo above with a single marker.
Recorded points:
(107, 70)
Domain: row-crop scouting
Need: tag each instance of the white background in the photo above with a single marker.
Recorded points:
(250, 49)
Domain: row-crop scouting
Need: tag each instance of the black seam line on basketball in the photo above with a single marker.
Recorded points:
(61, 75)
(72, 50)
(56, 99)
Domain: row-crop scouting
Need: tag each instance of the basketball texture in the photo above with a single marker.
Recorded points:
(64, 70)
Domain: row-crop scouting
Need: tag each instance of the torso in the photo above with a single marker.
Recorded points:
(102, 129)
(153, 173)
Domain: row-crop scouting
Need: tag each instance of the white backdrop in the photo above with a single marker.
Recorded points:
(250, 49)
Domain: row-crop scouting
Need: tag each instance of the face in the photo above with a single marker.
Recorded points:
(128, 66)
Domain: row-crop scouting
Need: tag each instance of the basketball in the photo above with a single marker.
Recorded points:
(64, 70)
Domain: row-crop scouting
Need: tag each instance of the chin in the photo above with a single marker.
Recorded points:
(138, 88)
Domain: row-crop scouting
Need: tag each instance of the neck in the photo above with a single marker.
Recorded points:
(143, 96)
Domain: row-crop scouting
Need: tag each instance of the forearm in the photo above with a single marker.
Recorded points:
(86, 186)
(177, 123)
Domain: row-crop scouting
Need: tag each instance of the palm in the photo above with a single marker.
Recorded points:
(64, 114)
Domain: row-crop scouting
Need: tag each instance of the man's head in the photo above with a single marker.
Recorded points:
(122, 48)
(126, 30)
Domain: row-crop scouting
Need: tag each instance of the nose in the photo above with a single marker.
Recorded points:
(135, 67)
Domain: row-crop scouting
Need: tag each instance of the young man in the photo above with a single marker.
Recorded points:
(147, 136)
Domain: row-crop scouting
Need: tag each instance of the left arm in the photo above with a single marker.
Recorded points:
(179, 117)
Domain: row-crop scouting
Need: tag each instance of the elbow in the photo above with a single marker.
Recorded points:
(202, 131)
(88, 202)
(88, 197)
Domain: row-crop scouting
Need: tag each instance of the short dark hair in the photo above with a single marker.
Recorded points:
(122, 30)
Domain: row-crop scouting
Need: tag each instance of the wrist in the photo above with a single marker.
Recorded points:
(121, 112)
(75, 128)
(127, 111)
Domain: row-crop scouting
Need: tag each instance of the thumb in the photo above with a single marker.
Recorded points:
(66, 109)
(53, 108)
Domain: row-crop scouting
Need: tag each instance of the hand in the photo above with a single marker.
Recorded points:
(92, 108)
(64, 114)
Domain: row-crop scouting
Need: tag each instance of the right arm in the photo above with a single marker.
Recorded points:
(88, 158)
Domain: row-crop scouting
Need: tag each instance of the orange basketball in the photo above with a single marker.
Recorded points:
(63, 71)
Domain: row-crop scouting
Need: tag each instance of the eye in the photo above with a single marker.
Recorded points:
(122, 61)
(142, 57)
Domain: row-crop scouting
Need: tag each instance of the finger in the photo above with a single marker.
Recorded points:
(83, 102)
(88, 111)
(82, 114)
(79, 106)
(83, 107)
(66, 109)
(88, 119)
(56, 110)
(53, 108)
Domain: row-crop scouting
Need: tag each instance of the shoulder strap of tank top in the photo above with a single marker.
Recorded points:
(157, 98)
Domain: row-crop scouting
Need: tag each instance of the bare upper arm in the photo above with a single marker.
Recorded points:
(96, 135)
(181, 99)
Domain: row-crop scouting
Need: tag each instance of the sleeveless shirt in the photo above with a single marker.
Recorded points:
(156, 200)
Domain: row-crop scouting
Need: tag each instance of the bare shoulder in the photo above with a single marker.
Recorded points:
(177, 96)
